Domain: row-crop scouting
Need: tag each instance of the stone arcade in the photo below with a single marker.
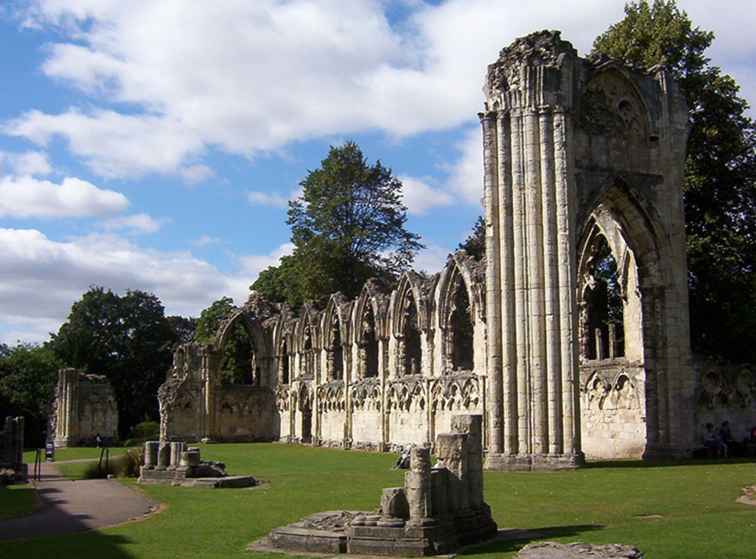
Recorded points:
(571, 336)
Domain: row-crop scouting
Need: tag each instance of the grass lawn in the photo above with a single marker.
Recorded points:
(74, 453)
(17, 500)
(668, 512)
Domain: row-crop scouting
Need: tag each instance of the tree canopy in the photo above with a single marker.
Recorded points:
(348, 225)
(475, 243)
(125, 337)
(719, 189)
(28, 374)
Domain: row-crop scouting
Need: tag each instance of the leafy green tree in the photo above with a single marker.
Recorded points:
(236, 366)
(28, 374)
(125, 337)
(475, 243)
(720, 190)
(348, 226)
(183, 328)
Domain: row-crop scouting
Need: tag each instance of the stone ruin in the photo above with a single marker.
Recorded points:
(84, 406)
(173, 463)
(583, 167)
(438, 509)
(12, 467)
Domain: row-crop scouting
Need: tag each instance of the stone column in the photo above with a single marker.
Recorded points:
(164, 456)
(507, 283)
(151, 454)
(176, 449)
(493, 318)
(417, 483)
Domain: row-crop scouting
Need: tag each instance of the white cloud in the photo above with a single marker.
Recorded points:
(419, 196)
(28, 163)
(466, 174)
(257, 198)
(252, 76)
(431, 259)
(253, 265)
(196, 173)
(134, 223)
(40, 278)
(25, 197)
(206, 240)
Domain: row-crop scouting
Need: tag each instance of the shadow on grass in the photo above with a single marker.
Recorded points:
(668, 463)
(507, 541)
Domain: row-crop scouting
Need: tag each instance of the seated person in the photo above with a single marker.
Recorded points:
(712, 441)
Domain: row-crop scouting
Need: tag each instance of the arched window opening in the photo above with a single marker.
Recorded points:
(413, 356)
(308, 354)
(239, 361)
(336, 352)
(603, 323)
(461, 329)
(284, 363)
(368, 345)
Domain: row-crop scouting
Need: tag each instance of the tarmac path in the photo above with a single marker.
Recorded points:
(75, 506)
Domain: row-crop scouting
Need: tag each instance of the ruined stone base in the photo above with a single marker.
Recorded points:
(530, 462)
(192, 477)
(332, 532)
(551, 550)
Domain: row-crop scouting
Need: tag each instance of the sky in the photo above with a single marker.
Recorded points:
(154, 144)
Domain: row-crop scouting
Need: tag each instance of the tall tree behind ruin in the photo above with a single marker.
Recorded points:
(720, 190)
(348, 226)
(125, 337)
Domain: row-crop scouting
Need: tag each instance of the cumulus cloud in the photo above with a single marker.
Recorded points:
(431, 259)
(419, 196)
(28, 163)
(27, 197)
(40, 277)
(466, 174)
(254, 76)
(194, 174)
(135, 223)
(205, 240)
(257, 198)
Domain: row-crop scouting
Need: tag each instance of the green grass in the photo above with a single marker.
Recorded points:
(695, 504)
(73, 453)
(17, 500)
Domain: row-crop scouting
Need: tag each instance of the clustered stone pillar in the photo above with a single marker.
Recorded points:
(67, 413)
(176, 449)
(164, 456)
(531, 261)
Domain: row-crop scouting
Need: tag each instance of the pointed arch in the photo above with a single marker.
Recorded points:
(335, 328)
(368, 327)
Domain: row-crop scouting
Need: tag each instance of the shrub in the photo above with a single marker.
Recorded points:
(122, 465)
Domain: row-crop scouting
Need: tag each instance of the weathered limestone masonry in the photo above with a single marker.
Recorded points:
(12, 467)
(581, 154)
(84, 406)
(387, 369)
(173, 463)
(438, 509)
(571, 336)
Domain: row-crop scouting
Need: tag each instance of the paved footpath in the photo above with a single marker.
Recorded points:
(74, 506)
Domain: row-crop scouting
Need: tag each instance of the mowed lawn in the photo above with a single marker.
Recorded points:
(683, 511)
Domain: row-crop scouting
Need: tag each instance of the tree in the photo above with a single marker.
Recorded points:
(128, 339)
(210, 319)
(719, 189)
(348, 226)
(475, 243)
(183, 328)
(28, 374)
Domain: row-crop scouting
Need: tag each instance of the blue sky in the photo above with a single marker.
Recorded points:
(154, 144)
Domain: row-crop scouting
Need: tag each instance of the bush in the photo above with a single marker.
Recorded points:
(122, 465)
(145, 430)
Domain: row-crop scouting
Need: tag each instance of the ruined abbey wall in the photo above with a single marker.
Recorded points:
(84, 406)
(571, 336)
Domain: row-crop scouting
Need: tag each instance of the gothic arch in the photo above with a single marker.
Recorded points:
(409, 323)
(335, 328)
(368, 329)
(260, 353)
(624, 217)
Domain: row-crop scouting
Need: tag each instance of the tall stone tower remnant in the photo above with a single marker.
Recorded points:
(583, 161)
